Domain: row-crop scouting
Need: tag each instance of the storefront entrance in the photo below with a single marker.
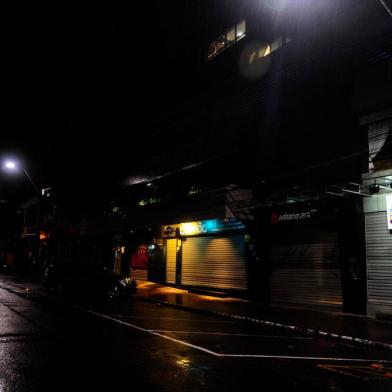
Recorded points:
(304, 257)
(216, 262)
(171, 260)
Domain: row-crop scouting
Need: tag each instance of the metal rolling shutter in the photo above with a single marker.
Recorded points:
(217, 262)
(308, 272)
(379, 258)
(171, 256)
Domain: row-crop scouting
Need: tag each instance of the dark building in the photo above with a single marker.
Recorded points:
(278, 98)
(275, 100)
(251, 128)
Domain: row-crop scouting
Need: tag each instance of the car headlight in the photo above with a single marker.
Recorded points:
(126, 282)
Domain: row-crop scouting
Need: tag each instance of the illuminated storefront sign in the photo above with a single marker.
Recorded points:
(169, 231)
(209, 226)
(191, 228)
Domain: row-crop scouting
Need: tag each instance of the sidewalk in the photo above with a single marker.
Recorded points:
(349, 328)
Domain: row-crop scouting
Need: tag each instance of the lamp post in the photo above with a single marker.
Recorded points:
(14, 166)
(31, 228)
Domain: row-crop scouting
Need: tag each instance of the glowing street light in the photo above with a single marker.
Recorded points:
(10, 165)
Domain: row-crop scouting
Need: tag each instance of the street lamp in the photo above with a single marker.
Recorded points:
(11, 165)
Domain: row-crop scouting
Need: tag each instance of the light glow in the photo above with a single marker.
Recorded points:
(211, 225)
(10, 165)
(190, 228)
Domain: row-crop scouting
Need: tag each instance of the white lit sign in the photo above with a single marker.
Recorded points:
(389, 211)
(191, 228)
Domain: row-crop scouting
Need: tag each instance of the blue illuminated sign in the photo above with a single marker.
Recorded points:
(219, 225)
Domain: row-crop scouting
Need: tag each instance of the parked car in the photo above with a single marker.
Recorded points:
(87, 280)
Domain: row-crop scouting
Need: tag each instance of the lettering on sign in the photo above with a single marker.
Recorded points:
(296, 216)
(169, 231)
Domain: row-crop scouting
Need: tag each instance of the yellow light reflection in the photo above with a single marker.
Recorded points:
(190, 228)
(183, 362)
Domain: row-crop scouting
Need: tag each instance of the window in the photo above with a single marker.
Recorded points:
(264, 51)
(220, 43)
(228, 38)
(240, 30)
(211, 50)
(267, 49)
(277, 44)
(149, 201)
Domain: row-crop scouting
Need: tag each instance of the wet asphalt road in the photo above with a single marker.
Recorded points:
(48, 344)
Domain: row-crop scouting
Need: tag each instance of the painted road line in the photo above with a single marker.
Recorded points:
(331, 359)
(148, 331)
(173, 319)
(309, 331)
(215, 354)
(231, 334)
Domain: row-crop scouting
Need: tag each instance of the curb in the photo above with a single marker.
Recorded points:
(304, 331)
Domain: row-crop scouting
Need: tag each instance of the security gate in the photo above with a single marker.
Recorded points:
(307, 271)
(379, 259)
(216, 262)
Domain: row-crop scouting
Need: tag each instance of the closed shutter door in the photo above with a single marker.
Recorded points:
(217, 262)
(379, 258)
(171, 256)
(307, 272)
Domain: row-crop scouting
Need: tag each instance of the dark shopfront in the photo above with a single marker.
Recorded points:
(315, 255)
